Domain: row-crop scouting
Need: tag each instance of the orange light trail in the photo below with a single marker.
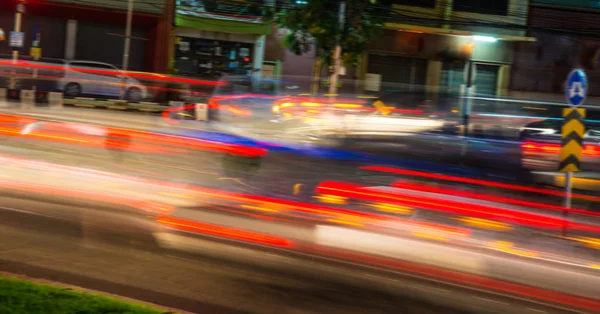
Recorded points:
(158, 143)
(475, 181)
(454, 207)
(431, 189)
(224, 232)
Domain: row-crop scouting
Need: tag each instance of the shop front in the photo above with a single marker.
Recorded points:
(216, 38)
(412, 61)
(206, 57)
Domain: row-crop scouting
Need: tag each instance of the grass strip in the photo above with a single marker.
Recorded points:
(26, 297)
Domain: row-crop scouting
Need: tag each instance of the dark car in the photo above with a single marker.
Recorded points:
(542, 141)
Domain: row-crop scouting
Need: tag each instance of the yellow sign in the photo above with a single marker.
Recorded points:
(381, 107)
(36, 52)
(573, 131)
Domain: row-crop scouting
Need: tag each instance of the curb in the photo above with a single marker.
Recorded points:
(93, 292)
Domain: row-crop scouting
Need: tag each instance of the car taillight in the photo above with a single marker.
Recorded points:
(589, 150)
(532, 147)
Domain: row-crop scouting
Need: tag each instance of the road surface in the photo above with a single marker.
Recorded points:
(90, 248)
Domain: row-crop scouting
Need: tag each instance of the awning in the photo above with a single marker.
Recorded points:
(453, 32)
(227, 26)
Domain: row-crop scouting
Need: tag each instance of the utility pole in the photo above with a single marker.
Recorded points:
(469, 78)
(126, 49)
(467, 50)
(337, 54)
(15, 54)
(468, 95)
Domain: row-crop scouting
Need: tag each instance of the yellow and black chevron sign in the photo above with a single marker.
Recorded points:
(573, 131)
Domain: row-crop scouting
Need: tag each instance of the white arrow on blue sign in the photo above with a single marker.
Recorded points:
(576, 88)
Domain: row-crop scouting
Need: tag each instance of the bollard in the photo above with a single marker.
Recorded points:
(3, 98)
(201, 112)
(27, 98)
(55, 99)
(41, 98)
(13, 94)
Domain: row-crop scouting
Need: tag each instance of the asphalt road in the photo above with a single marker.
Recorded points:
(482, 157)
(83, 245)
(114, 252)
(282, 174)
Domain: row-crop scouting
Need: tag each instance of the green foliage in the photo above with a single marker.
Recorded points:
(317, 23)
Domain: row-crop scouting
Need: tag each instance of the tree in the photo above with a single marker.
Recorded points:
(317, 23)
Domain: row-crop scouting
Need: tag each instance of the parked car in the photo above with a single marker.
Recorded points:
(98, 78)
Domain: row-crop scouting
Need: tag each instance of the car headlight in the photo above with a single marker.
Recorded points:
(538, 131)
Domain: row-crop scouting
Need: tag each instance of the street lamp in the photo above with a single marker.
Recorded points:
(488, 39)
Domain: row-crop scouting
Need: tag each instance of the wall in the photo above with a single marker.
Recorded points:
(429, 46)
(517, 14)
(95, 43)
(543, 66)
(150, 6)
(92, 41)
(53, 33)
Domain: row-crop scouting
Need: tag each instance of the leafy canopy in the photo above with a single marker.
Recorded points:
(317, 23)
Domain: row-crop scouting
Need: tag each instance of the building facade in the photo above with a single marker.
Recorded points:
(93, 30)
(212, 38)
(428, 43)
(567, 38)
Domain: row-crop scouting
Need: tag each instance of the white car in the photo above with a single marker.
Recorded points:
(97, 78)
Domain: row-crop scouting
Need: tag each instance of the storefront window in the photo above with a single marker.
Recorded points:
(212, 58)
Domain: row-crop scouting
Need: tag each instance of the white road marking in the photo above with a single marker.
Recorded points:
(490, 300)
(25, 212)
(414, 285)
(432, 288)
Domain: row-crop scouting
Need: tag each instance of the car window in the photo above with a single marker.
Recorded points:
(595, 132)
(91, 67)
(77, 64)
(592, 115)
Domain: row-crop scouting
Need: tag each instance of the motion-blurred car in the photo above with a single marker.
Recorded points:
(243, 100)
(541, 144)
(97, 78)
(392, 117)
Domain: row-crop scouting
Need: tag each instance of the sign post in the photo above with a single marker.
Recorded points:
(573, 131)
(36, 52)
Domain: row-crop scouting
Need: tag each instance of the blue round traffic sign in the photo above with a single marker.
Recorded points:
(576, 88)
